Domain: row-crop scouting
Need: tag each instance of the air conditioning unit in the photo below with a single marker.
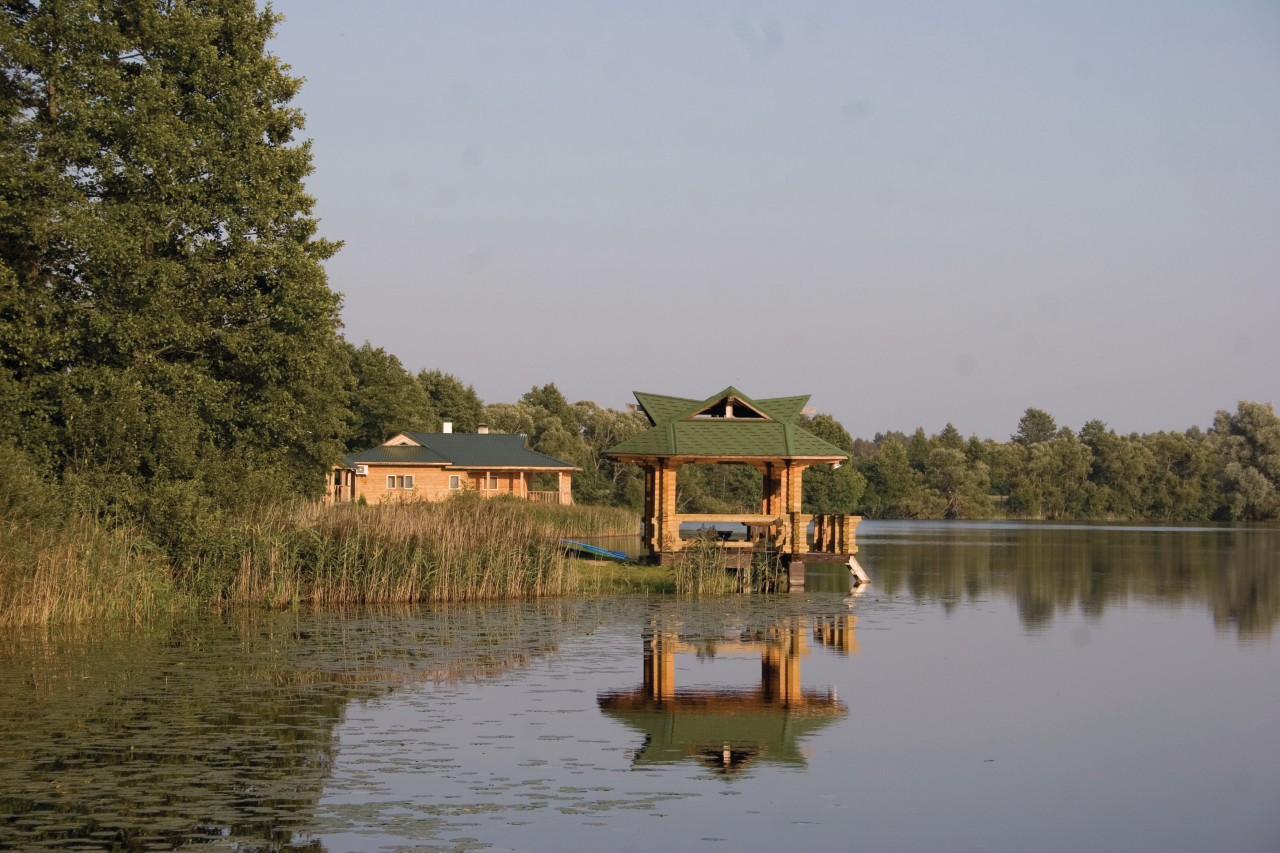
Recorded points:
(362, 470)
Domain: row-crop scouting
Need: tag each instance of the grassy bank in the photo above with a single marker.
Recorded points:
(463, 549)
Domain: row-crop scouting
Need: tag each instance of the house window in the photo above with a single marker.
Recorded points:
(399, 482)
(455, 481)
(391, 481)
(408, 481)
(489, 482)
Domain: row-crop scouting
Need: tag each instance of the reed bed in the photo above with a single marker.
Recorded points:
(463, 549)
(77, 571)
(700, 570)
(578, 520)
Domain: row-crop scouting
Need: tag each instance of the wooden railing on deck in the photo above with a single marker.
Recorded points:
(545, 497)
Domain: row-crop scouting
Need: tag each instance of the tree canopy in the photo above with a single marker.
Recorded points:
(165, 319)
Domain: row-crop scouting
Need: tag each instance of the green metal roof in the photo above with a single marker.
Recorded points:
(399, 455)
(459, 450)
(683, 427)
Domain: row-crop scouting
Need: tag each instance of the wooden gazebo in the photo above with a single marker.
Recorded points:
(730, 427)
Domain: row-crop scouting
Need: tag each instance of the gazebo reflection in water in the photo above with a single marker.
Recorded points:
(732, 728)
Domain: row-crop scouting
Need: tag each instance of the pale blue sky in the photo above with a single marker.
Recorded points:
(917, 212)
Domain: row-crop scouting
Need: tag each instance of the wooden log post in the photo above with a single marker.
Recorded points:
(850, 543)
(799, 522)
(650, 520)
(669, 535)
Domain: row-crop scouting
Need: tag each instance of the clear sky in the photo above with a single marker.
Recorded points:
(917, 212)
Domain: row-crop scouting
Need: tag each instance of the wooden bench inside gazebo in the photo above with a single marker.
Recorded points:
(726, 428)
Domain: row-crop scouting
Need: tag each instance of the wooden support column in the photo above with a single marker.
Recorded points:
(650, 518)
(669, 534)
(851, 533)
(565, 481)
(794, 495)
(658, 536)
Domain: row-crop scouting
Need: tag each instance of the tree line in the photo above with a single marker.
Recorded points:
(1230, 472)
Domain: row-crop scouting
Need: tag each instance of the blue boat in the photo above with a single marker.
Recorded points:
(595, 550)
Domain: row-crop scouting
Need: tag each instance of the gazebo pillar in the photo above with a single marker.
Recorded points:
(794, 498)
(668, 523)
(661, 526)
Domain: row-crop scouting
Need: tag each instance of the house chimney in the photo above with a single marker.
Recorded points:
(446, 427)
(482, 429)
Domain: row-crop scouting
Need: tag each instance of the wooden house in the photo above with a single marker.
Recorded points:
(414, 466)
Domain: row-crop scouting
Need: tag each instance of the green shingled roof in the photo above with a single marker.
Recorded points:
(472, 450)
(684, 427)
(459, 450)
(399, 455)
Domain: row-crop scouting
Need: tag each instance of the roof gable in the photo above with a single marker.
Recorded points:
(390, 454)
(729, 404)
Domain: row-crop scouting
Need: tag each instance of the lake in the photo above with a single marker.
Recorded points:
(999, 686)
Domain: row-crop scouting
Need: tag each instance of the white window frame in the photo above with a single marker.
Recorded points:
(391, 481)
(455, 482)
(408, 481)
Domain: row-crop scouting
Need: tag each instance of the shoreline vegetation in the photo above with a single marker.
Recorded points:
(76, 546)
(175, 387)
(467, 548)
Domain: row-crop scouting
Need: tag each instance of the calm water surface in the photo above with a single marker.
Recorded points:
(999, 687)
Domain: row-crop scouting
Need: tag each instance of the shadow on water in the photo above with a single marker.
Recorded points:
(1054, 568)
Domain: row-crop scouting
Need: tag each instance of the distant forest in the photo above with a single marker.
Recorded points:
(1229, 473)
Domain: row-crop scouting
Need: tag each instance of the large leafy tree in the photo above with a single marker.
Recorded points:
(452, 399)
(164, 316)
(386, 399)
(1035, 426)
(826, 489)
(1248, 448)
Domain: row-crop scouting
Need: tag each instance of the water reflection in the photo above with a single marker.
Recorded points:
(382, 729)
(1052, 569)
(731, 728)
(218, 732)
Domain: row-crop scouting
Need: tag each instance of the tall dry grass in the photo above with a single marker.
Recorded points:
(700, 569)
(77, 570)
(463, 549)
(466, 548)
